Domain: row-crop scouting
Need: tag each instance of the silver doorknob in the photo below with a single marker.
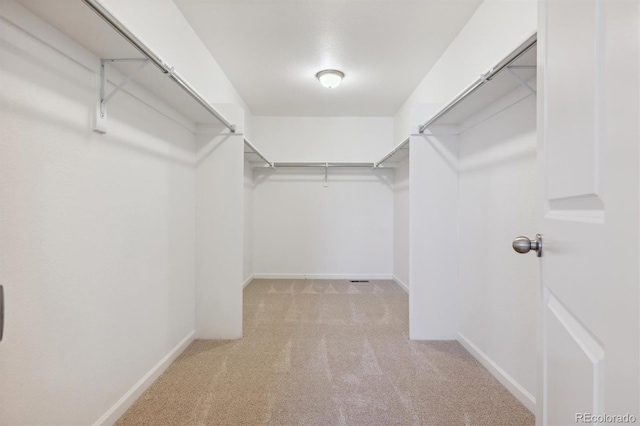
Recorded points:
(525, 245)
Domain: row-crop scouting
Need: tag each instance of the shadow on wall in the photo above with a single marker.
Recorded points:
(42, 67)
(209, 143)
(506, 143)
(447, 148)
(184, 154)
(67, 83)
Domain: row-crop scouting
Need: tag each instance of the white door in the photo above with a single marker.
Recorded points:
(589, 135)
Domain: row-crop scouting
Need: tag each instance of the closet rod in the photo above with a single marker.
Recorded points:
(393, 151)
(284, 164)
(255, 150)
(513, 56)
(165, 68)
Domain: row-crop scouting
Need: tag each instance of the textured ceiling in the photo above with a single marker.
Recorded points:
(272, 49)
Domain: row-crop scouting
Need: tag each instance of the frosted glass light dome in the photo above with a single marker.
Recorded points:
(330, 78)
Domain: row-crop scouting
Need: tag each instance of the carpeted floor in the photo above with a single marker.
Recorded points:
(326, 352)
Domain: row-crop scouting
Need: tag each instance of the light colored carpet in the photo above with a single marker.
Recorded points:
(326, 352)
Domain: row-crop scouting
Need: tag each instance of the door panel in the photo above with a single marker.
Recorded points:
(574, 371)
(589, 110)
(572, 118)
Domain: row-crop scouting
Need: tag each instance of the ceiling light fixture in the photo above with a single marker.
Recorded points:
(330, 78)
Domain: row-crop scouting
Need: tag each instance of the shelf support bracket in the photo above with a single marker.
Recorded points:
(103, 98)
(326, 175)
(519, 79)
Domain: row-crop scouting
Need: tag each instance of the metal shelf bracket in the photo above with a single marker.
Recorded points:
(326, 175)
(103, 98)
(519, 79)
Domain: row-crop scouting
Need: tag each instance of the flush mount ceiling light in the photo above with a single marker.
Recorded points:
(330, 78)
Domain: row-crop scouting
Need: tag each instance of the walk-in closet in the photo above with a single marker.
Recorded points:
(332, 212)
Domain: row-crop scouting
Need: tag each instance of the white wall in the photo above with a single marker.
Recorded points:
(401, 230)
(219, 231)
(97, 247)
(350, 139)
(433, 255)
(497, 288)
(303, 228)
(494, 30)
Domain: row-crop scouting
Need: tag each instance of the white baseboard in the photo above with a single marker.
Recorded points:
(247, 281)
(119, 408)
(505, 379)
(401, 284)
(276, 276)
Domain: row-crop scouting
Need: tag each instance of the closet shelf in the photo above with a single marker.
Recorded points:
(322, 165)
(518, 69)
(256, 159)
(91, 26)
(397, 154)
(254, 156)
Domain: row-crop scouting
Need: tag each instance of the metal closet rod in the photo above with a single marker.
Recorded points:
(287, 164)
(393, 151)
(166, 69)
(253, 147)
(513, 56)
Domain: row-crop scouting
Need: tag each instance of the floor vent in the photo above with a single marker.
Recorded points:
(359, 281)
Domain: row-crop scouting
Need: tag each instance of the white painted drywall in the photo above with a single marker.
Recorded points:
(433, 256)
(350, 139)
(97, 248)
(219, 231)
(495, 30)
(302, 228)
(497, 288)
(401, 231)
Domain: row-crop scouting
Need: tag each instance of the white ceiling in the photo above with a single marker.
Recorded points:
(272, 49)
